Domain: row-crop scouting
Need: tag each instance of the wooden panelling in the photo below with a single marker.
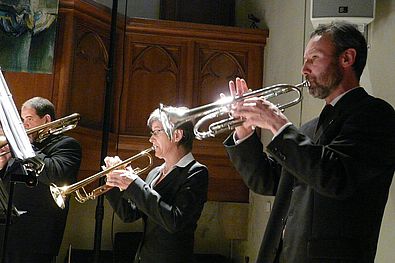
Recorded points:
(88, 81)
(24, 86)
(152, 76)
(86, 29)
(81, 23)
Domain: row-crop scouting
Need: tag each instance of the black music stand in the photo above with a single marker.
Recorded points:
(24, 166)
(8, 212)
(4, 203)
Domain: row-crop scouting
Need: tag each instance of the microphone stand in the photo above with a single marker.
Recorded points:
(106, 127)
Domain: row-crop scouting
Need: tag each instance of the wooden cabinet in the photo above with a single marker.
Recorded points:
(157, 61)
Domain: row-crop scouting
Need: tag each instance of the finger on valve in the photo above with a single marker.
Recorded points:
(129, 173)
(232, 88)
(112, 161)
(241, 86)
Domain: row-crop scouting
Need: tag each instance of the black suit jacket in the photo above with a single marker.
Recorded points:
(170, 212)
(40, 230)
(330, 188)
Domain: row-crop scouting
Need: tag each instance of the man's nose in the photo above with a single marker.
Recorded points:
(305, 70)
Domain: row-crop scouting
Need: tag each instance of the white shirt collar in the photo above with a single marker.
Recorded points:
(184, 161)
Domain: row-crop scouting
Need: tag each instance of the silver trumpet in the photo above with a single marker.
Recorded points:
(172, 118)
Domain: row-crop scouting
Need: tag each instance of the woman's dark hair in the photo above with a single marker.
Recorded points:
(344, 36)
(187, 128)
(42, 107)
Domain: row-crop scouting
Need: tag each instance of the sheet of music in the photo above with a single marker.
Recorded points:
(12, 124)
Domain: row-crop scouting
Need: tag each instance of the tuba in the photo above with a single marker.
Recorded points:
(60, 194)
(173, 118)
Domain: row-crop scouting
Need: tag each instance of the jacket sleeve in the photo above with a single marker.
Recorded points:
(61, 162)
(260, 172)
(123, 207)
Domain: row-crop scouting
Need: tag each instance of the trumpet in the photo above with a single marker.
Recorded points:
(172, 118)
(60, 194)
(51, 128)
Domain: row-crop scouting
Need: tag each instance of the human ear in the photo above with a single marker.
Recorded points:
(178, 135)
(47, 118)
(348, 57)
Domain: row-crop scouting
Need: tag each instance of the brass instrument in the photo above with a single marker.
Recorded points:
(51, 128)
(59, 194)
(172, 118)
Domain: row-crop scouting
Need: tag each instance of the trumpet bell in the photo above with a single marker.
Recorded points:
(58, 196)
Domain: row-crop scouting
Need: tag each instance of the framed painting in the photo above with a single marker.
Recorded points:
(27, 35)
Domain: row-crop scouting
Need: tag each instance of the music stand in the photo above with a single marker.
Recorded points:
(24, 166)
(4, 204)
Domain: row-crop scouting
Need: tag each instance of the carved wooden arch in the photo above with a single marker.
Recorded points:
(89, 79)
(139, 62)
(153, 78)
(215, 75)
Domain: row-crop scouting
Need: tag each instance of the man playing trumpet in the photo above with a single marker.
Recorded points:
(331, 177)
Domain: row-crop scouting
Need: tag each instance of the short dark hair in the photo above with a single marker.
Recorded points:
(187, 128)
(344, 36)
(42, 107)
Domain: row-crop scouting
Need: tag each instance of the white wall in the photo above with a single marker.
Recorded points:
(381, 69)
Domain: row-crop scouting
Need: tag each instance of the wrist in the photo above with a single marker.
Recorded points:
(240, 134)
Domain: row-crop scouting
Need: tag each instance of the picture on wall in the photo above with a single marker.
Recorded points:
(27, 35)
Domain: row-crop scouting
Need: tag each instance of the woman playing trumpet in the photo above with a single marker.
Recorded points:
(169, 201)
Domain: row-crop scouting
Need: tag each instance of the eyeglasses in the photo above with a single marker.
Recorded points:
(156, 132)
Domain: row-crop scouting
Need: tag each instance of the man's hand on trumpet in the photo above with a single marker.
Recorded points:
(256, 112)
(121, 177)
